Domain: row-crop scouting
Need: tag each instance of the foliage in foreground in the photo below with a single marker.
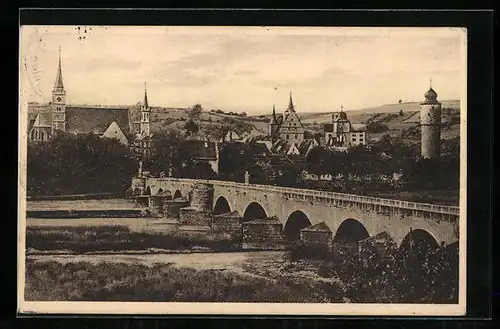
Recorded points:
(119, 238)
(82, 281)
(399, 278)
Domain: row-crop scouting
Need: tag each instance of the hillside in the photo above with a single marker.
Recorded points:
(389, 115)
(175, 118)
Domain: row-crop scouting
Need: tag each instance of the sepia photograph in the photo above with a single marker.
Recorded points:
(242, 170)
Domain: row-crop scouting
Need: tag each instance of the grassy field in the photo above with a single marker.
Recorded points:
(52, 281)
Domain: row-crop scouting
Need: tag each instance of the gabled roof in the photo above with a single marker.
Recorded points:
(115, 132)
(202, 150)
(43, 119)
(304, 146)
(320, 227)
(82, 120)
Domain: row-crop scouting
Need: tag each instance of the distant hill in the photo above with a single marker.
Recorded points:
(364, 113)
(389, 115)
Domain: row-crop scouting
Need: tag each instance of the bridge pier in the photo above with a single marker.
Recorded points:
(199, 213)
(263, 234)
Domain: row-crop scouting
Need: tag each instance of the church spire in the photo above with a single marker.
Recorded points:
(59, 86)
(273, 117)
(290, 104)
(145, 103)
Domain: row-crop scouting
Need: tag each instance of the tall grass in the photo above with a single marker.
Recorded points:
(53, 281)
(119, 238)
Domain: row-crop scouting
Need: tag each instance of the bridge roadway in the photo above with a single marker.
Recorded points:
(349, 216)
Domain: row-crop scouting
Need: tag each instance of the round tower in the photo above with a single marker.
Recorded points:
(430, 123)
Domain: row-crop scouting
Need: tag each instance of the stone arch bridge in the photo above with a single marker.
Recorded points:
(356, 217)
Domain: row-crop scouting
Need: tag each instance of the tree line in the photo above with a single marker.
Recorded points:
(77, 164)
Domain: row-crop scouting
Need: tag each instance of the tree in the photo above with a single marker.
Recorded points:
(318, 161)
(70, 164)
(238, 126)
(170, 152)
(289, 175)
(191, 127)
(234, 157)
(377, 127)
(261, 172)
(195, 112)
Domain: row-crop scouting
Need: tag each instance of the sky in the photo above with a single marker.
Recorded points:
(243, 68)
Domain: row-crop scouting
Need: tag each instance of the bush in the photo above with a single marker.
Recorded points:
(377, 127)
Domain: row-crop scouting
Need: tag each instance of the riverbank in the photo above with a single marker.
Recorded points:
(265, 276)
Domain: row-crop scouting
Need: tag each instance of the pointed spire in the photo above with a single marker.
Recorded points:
(273, 117)
(145, 103)
(59, 86)
(430, 83)
(341, 108)
(290, 105)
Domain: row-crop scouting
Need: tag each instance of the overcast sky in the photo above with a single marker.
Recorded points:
(244, 69)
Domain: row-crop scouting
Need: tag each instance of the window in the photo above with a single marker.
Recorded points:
(36, 134)
(286, 137)
(42, 136)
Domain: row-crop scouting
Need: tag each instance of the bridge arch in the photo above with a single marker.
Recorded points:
(350, 231)
(254, 211)
(177, 194)
(418, 242)
(295, 222)
(147, 191)
(221, 206)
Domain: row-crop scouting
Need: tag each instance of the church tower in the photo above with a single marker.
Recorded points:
(273, 124)
(58, 102)
(430, 123)
(145, 112)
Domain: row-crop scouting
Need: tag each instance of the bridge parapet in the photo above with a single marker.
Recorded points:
(334, 198)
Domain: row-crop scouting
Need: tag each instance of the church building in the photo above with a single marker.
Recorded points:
(45, 120)
(286, 127)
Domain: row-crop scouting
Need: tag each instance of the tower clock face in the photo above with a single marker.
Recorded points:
(58, 99)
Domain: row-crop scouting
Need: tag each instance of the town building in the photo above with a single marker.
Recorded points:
(46, 120)
(287, 126)
(342, 134)
(132, 127)
(430, 123)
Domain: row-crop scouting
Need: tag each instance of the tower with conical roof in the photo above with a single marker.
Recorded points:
(145, 112)
(58, 107)
(430, 123)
